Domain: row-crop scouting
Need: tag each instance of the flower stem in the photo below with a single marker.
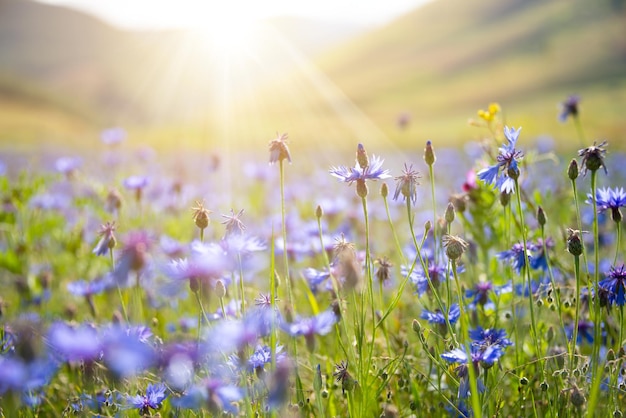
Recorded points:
(576, 312)
(527, 269)
(596, 276)
(432, 192)
(284, 232)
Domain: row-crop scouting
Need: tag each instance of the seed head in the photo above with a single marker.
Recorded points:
(455, 246)
(593, 157)
(279, 150)
(201, 215)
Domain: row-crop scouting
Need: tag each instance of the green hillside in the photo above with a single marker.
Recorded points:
(450, 57)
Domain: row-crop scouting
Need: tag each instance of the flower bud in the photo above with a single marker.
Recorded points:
(429, 154)
(427, 227)
(361, 157)
(541, 216)
(220, 289)
(384, 190)
(417, 327)
(319, 212)
(449, 215)
(505, 198)
(572, 170)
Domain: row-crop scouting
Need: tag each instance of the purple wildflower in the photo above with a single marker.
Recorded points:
(74, 344)
(107, 239)
(68, 165)
(406, 184)
(505, 172)
(320, 324)
(459, 355)
(135, 255)
(481, 294)
(615, 285)
(214, 394)
(373, 171)
(437, 317)
(515, 256)
(155, 394)
(113, 136)
(612, 199)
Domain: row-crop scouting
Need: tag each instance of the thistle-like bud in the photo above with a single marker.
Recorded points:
(455, 246)
(429, 154)
(574, 243)
(319, 212)
(361, 188)
(384, 190)
(572, 170)
(220, 289)
(449, 215)
(361, 157)
(616, 215)
(541, 216)
(201, 215)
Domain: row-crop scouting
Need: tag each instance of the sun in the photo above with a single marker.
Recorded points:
(226, 28)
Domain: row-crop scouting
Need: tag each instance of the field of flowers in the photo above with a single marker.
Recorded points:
(485, 281)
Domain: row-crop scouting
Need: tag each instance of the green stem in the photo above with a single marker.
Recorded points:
(527, 269)
(284, 232)
(576, 312)
(596, 278)
(393, 231)
(432, 193)
(475, 396)
(617, 243)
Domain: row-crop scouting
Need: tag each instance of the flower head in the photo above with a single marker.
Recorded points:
(569, 108)
(612, 199)
(593, 157)
(201, 215)
(233, 222)
(505, 172)
(437, 317)
(406, 184)
(516, 256)
(279, 150)
(107, 239)
(615, 285)
(373, 171)
(155, 394)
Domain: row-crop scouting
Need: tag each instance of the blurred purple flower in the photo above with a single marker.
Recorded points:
(68, 165)
(113, 136)
(516, 256)
(81, 343)
(569, 108)
(615, 285)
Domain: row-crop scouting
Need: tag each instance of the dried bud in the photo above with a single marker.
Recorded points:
(361, 188)
(384, 190)
(201, 215)
(319, 212)
(577, 398)
(459, 201)
(541, 216)
(361, 157)
(455, 246)
(572, 170)
(574, 243)
(429, 154)
(449, 215)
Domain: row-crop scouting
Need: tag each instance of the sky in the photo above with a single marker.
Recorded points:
(153, 14)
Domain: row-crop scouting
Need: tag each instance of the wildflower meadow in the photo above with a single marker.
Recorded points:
(486, 280)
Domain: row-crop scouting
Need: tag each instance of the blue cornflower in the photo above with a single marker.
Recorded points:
(406, 184)
(540, 259)
(515, 256)
(317, 278)
(437, 317)
(320, 324)
(458, 355)
(481, 294)
(505, 172)
(262, 355)
(585, 332)
(615, 285)
(612, 199)
(374, 171)
(490, 339)
(214, 394)
(436, 273)
(155, 394)
(126, 352)
(569, 108)
(107, 239)
(68, 165)
(94, 287)
(74, 344)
